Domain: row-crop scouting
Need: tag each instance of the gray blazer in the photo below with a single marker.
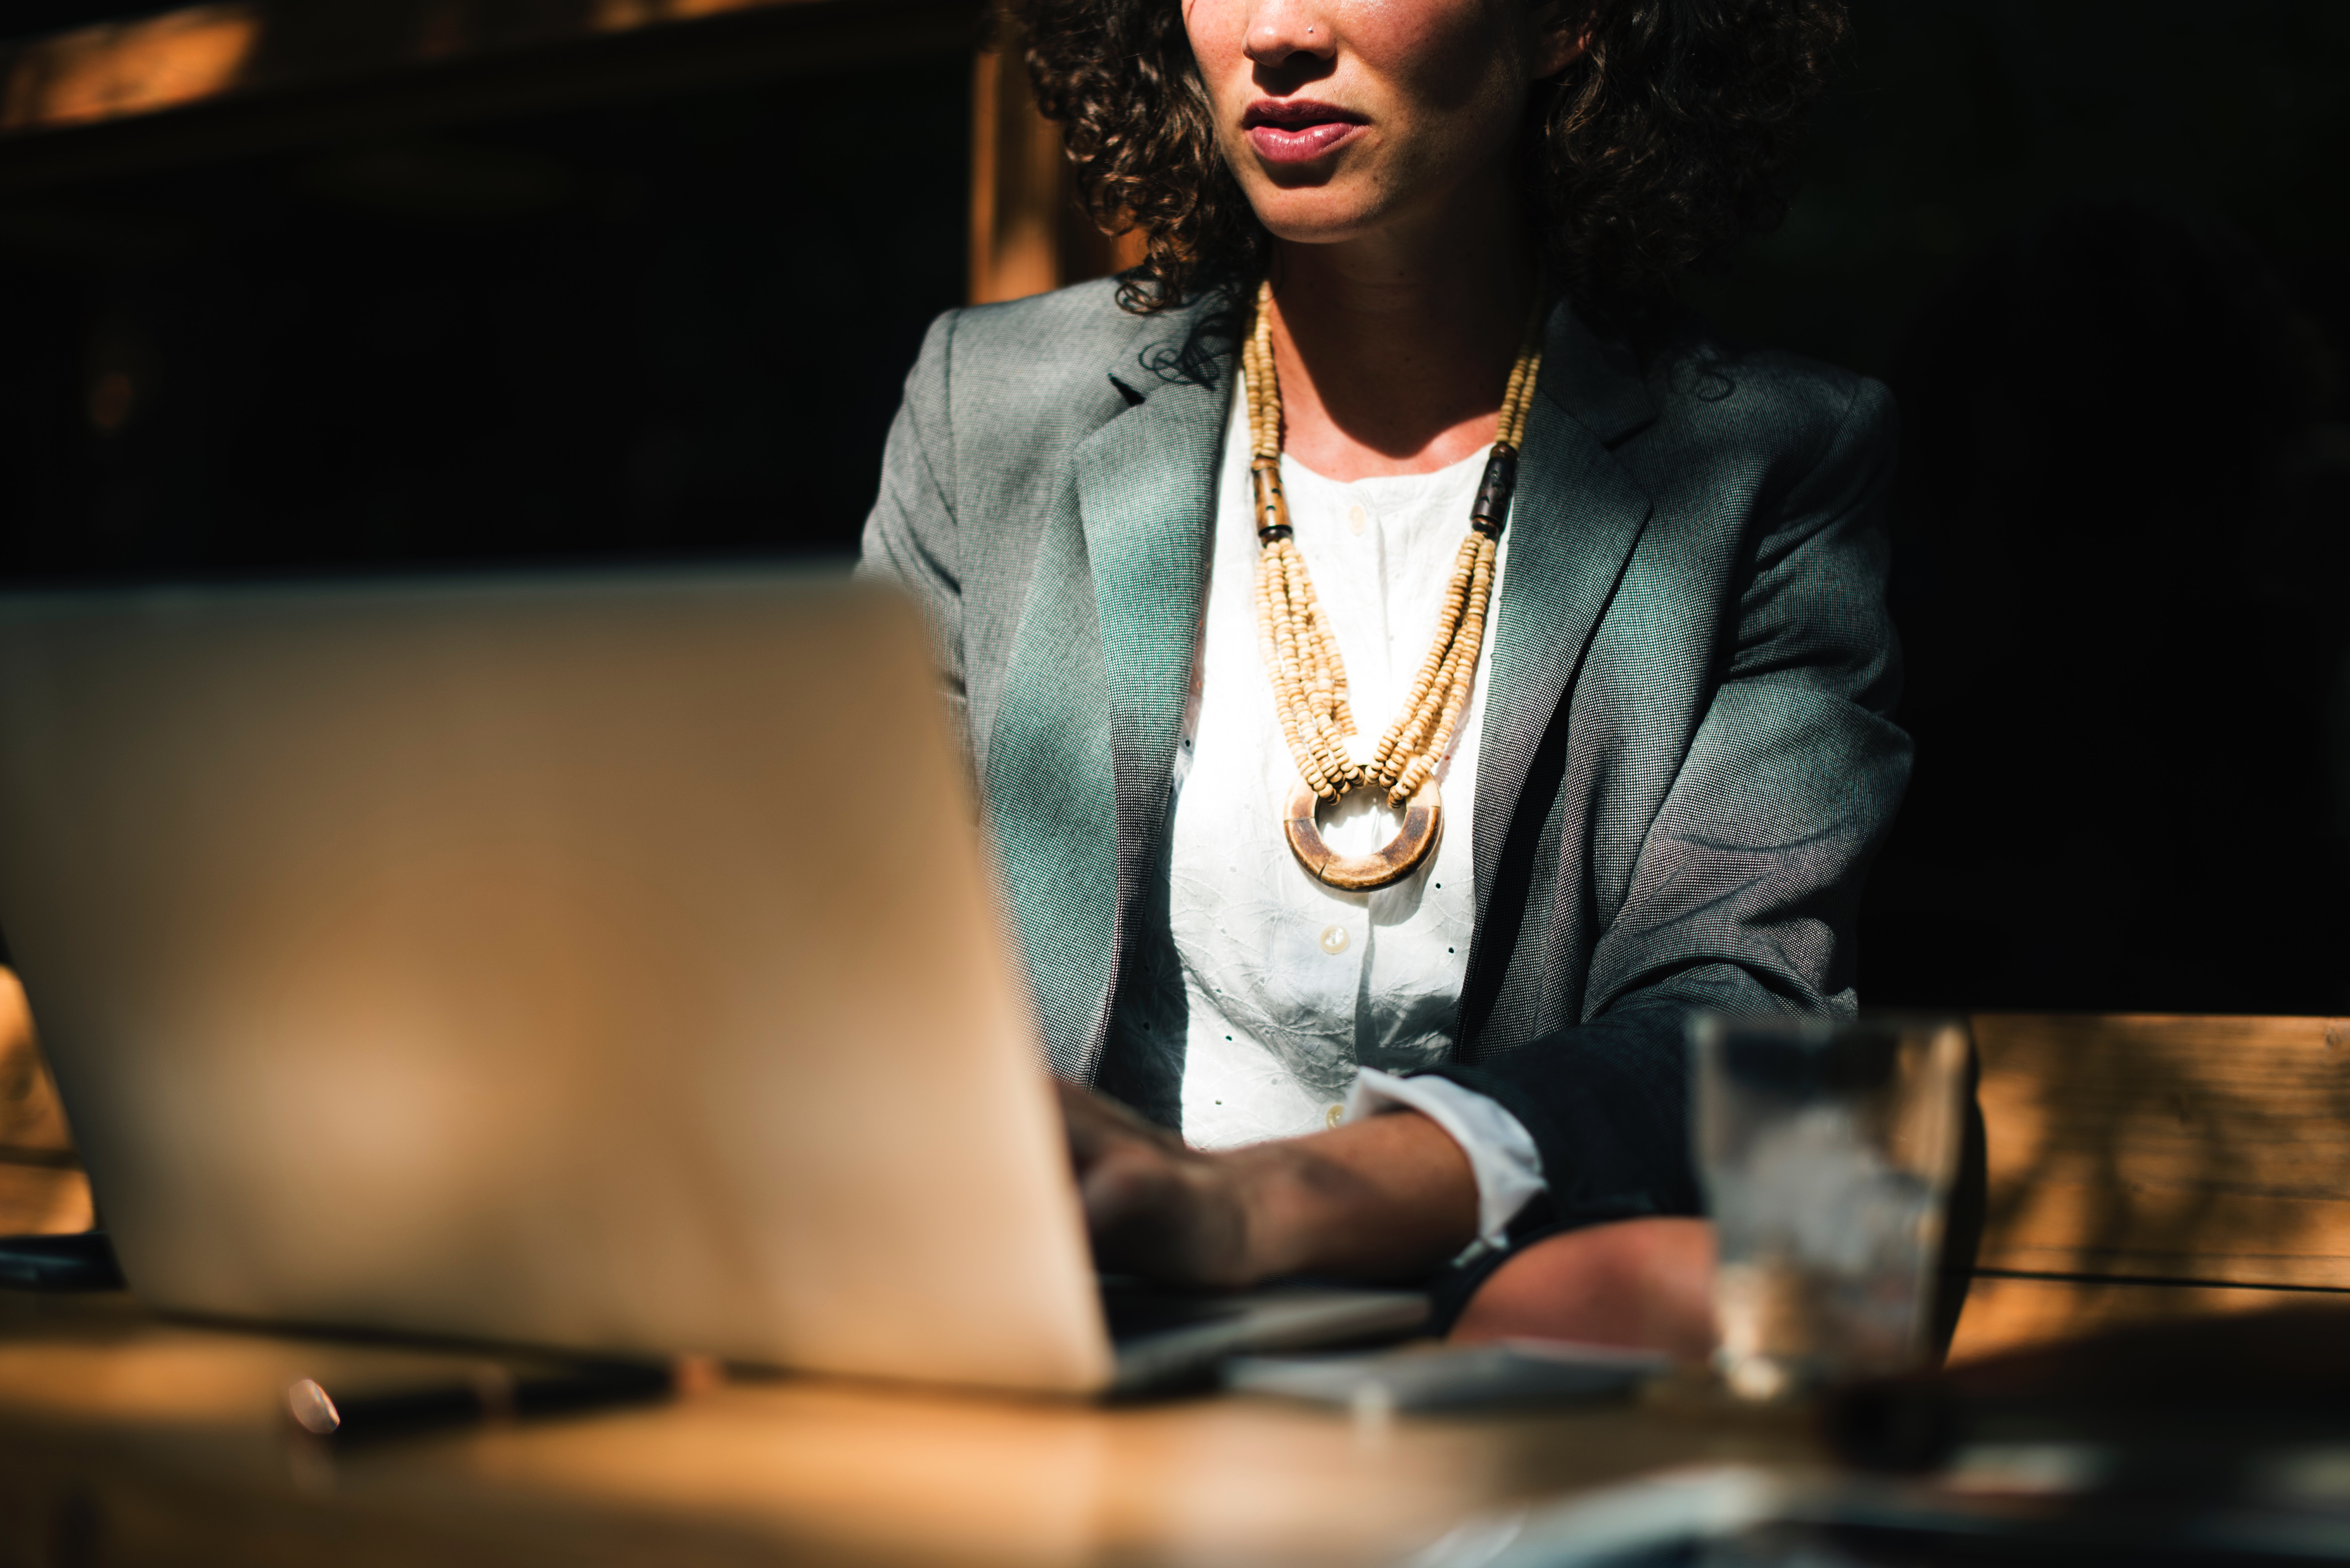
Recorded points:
(1685, 761)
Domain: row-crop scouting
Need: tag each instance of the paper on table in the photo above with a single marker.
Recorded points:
(1452, 1378)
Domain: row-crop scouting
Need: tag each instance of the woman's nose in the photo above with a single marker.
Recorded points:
(1280, 30)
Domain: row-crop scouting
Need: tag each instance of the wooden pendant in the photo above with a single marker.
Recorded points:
(1423, 824)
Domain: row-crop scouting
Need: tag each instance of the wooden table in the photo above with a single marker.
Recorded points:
(125, 1440)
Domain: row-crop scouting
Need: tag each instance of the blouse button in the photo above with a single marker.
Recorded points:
(1333, 939)
(1356, 518)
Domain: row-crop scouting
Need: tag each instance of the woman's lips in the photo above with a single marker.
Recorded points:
(1299, 144)
(1297, 132)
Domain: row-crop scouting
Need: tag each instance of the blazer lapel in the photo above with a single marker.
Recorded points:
(1084, 745)
(1575, 517)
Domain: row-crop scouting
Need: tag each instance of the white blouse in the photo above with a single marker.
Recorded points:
(1293, 988)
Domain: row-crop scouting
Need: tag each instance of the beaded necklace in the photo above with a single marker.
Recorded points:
(1309, 681)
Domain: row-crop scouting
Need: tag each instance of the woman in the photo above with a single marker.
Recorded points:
(1374, 813)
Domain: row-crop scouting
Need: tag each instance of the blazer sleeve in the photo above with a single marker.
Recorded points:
(1745, 888)
(910, 536)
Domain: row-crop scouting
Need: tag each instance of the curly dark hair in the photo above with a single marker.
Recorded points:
(1666, 142)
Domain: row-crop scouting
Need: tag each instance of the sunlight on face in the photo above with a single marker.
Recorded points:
(1345, 117)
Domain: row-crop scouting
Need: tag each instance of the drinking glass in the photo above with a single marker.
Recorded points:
(1827, 1150)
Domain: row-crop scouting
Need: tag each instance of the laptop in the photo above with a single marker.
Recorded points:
(600, 962)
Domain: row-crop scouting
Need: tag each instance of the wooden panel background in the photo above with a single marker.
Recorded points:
(135, 66)
(1028, 234)
(2207, 1149)
(2152, 1166)
(288, 70)
(41, 1188)
(248, 76)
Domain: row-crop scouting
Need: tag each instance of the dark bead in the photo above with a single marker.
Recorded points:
(1272, 509)
(1492, 511)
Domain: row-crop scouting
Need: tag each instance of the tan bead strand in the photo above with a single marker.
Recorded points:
(1301, 653)
(1294, 637)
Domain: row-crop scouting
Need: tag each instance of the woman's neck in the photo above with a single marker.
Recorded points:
(1393, 350)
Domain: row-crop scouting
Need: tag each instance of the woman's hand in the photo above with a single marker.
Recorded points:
(1154, 1206)
(1387, 1197)
(1644, 1283)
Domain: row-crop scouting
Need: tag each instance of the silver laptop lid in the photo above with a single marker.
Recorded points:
(598, 961)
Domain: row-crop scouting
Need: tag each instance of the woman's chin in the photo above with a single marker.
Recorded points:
(1317, 217)
(1353, 206)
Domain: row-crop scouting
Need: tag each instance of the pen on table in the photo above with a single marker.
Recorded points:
(354, 1412)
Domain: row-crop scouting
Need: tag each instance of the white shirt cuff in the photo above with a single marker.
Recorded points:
(1502, 1153)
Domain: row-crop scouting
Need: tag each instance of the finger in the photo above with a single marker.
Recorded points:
(1095, 1120)
(1090, 1131)
(1134, 1209)
(1124, 1119)
(1162, 1214)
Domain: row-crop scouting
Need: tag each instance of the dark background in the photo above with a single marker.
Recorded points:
(652, 328)
(2098, 248)
(2101, 250)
